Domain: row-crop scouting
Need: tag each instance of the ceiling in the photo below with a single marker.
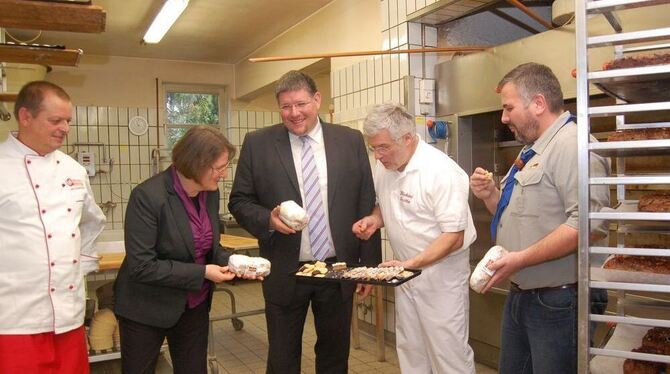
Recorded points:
(223, 31)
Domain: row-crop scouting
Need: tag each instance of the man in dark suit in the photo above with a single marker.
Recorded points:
(324, 168)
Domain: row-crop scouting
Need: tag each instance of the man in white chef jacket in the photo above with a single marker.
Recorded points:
(48, 222)
(422, 200)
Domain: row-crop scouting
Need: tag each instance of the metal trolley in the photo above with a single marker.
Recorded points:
(589, 37)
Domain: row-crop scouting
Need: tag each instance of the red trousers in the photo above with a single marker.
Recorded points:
(45, 353)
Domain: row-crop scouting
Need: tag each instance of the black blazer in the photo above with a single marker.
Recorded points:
(159, 268)
(266, 177)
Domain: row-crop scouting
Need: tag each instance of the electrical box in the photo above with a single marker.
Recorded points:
(427, 91)
(87, 160)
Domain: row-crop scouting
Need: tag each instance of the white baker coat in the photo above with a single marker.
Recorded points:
(428, 198)
(48, 223)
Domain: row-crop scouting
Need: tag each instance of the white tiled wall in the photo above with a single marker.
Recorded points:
(131, 154)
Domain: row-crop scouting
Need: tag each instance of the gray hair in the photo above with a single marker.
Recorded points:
(531, 79)
(392, 117)
(293, 81)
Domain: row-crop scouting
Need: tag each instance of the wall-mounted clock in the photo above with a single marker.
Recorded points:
(138, 125)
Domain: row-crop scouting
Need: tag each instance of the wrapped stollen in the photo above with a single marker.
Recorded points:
(101, 333)
(245, 266)
(482, 274)
(293, 215)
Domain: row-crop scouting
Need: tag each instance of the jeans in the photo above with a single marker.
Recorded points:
(539, 332)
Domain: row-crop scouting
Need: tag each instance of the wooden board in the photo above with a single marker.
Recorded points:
(47, 15)
(111, 260)
(238, 243)
(8, 97)
(41, 56)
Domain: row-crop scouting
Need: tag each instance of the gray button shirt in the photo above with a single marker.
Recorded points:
(546, 197)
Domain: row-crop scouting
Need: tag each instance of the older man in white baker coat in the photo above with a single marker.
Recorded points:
(422, 198)
(48, 224)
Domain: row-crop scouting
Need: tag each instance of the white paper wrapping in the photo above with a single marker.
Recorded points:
(481, 275)
(245, 266)
(293, 215)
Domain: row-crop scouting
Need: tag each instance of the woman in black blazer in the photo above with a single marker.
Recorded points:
(173, 257)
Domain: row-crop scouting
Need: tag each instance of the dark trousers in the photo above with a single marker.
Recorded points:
(539, 332)
(187, 341)
(332, 320)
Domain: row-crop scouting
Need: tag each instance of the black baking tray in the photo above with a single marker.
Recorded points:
(331, 276)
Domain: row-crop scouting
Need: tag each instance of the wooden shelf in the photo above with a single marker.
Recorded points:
(8, 97)
(44, 15)
(41, 56)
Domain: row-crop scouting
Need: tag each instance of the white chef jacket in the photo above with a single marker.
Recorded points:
(428, 198)
(48, 223)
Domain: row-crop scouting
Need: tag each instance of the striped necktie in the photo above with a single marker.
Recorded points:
(519, 163)
(318, 230)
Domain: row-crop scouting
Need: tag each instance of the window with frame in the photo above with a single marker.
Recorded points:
(188, 106)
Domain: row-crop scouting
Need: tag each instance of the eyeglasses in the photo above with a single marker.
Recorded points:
(381, 149)
(299, 106)
(220, 170)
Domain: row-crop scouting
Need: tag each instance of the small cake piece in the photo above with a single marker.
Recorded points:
(489, 175)
(320, 264)
(339, 266)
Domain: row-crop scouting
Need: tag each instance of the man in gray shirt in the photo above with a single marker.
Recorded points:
(536, 220)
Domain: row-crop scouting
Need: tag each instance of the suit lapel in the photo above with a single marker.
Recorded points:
(179, 214)
(330, 143)
(283, 147)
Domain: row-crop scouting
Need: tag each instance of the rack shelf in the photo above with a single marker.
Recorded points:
(629, 37)
(7, 97)
(603, 6)
(631, 148)
(41, 56)
(51, 15)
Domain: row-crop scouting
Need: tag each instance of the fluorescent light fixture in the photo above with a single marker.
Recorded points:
(171, 10)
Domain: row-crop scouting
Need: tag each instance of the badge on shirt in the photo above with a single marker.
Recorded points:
(74, 183)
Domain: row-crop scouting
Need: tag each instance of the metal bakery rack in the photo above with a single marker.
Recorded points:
(637, 90)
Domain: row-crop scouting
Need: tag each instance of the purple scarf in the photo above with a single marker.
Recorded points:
(201, 228)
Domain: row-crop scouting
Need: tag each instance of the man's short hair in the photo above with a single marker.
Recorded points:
(392, 117)
(32, 95)
(294, 81)
(198, 149)
(531, 79)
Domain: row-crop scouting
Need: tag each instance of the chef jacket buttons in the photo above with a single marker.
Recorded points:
(63, 185)
(53, 264)
(69, 209)
(71, 286)
(53, 289)
(37, 186)
(44, 211)
(58, 161)
(28, 162)
(74, 261)
(73, 235)
(49, 236)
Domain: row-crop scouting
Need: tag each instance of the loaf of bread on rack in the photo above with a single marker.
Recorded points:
(631, 366)
(647, 264)
(637, 61)
(658, 338)
(654, 202)
(640, 134)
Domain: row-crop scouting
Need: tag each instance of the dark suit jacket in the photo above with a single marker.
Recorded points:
(266, 177)
(159, 269)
